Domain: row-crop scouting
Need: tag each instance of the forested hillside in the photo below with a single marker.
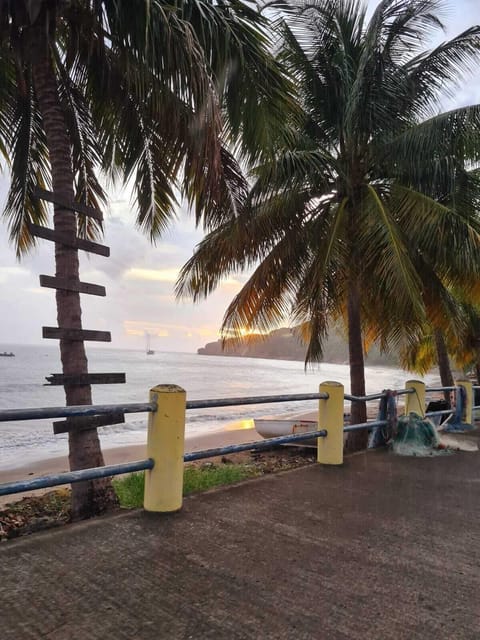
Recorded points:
(283, 344)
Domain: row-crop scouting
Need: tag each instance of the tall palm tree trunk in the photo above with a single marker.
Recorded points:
(477, 360)
(356, 440)
(88, 498)
(443, 362)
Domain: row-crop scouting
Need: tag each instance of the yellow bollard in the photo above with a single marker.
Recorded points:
(415, 402)
(330, 417)
(166, 446)
(467, 413)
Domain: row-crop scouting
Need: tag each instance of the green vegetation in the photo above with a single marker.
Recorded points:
(369, 215)
(459, 342)
(130, 489)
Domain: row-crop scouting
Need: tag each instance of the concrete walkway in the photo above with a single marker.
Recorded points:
(382, 548)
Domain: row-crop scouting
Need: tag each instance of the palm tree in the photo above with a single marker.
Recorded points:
(348, 220)
(429, 350)
(466, 350)
(459, 342)
(145, 90)
(446, 332)
(464, 339)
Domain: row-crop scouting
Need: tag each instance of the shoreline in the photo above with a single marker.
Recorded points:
(235, 432)
(114, 455)
(130, 452)
(238, 432)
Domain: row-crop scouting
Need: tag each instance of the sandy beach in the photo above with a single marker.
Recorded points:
(119, 455)
(234, 433)
(237, 432)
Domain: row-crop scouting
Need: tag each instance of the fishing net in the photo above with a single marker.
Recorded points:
(417, 436)
(382, 436)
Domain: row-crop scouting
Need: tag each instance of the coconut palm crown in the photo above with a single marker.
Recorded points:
(364, 209)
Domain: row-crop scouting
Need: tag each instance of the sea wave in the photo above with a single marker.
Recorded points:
(22, 385)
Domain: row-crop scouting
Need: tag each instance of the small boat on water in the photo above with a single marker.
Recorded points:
(149, 350)
(269, 428)
(7, 355)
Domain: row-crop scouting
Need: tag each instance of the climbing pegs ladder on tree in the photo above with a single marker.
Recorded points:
(76, 334)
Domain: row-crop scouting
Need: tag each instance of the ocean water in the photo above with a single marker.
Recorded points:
(22, 386)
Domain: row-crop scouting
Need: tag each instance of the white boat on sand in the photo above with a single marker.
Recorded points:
(273, 428)
(269, 428)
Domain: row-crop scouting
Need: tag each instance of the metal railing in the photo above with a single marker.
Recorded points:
(83, 475)
(79, 410)
(151, 407)
(70, 477)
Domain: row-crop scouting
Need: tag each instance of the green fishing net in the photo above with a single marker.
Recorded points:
(417, 436)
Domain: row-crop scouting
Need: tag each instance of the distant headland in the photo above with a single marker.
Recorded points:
(284, 344)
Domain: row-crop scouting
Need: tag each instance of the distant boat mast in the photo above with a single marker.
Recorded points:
(150, 352)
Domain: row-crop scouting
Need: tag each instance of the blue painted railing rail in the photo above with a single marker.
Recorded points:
(112, 470)
(251, 446)
(366, 425)
(7, 415)
(232, 402)
(69, 477)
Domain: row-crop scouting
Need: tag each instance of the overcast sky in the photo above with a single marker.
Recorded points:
(139, 278)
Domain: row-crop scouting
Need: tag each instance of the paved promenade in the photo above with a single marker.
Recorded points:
(382, 548)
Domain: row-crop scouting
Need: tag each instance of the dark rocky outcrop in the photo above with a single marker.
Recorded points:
(285, 344)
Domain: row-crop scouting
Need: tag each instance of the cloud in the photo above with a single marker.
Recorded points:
(38, 291)
(10, 272)
(159, 275)
(230, 283)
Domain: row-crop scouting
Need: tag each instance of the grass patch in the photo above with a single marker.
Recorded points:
(130, 489)
(203, 478)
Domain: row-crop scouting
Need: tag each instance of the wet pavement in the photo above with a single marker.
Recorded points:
(383, 547)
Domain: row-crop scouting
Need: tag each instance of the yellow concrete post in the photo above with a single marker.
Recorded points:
(415, 402)
(165, 446)
(330, 417)
(467, 414)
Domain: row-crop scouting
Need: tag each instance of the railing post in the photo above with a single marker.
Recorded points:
(330, 417)
(467, 408)
(415, 402)
(165, 446)
(378, 435)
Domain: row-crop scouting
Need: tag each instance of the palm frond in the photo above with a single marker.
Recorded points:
(433, 145)
(447, 238)
(386, 253)
(442, 71)
(86, 156)
(419, 356)
(265, 301)
(29, 168)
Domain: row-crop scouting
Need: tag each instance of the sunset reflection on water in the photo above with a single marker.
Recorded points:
(240, 425)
